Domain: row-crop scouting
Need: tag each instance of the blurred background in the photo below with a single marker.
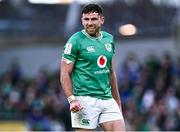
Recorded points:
(32, 36)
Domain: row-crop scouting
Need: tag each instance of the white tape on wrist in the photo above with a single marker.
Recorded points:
(71, 98)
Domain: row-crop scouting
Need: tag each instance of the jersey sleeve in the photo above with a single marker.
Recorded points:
(70, 51)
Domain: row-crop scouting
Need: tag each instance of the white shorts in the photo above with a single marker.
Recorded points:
(95, 111)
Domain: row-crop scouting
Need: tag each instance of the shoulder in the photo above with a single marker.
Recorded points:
(74, 40)
(76, 36)
(106, 34)
(108, 37)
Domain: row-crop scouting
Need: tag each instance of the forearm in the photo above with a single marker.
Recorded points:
(65, 77)
(114, 88)
(75, 106)
(66, 84)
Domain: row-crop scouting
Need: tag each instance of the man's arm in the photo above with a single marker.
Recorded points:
(114, 86)
(65, 79)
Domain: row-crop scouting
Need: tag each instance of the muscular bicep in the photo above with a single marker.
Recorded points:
(65, 77)
(66, 70)
(66, 67)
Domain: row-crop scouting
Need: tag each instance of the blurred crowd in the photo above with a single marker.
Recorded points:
(37, 101)
(150, 92)
(149, 89)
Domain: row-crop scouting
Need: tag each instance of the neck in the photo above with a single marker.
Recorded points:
(96, 35)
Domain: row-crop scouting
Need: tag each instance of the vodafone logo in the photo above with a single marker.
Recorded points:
(101, 61)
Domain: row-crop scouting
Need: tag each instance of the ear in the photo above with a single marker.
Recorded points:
(102, 19)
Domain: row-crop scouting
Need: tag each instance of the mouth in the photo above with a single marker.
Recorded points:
(91, 29)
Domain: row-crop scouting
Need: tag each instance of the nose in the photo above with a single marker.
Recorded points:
(89, 22)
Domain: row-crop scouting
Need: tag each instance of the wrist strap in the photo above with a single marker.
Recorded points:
(71, 98)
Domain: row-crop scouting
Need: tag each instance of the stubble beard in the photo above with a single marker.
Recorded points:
(93, 32)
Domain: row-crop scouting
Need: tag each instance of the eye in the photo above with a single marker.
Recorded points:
(93, 19)
(86, 19)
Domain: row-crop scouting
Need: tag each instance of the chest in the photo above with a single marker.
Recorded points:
(92, 49)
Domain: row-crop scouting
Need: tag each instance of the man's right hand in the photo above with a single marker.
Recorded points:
(75, 106)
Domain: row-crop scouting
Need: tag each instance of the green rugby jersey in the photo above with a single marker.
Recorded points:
(92, 61)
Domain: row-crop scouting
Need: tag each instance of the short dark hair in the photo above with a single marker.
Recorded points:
(92, 8)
